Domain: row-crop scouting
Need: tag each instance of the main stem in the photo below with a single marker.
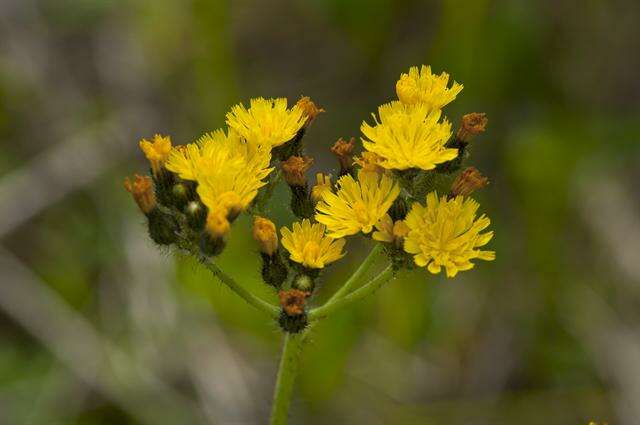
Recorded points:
(289, 364)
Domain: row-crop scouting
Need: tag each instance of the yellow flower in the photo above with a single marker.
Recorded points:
(424, 87)
(388, 231)
(323, 184)
(267, 122)
(308, 245)
(156, 151)
(408, 137)
(445, 233)
(228, 169)
(217, 224)
(369, 162)
(357, 205)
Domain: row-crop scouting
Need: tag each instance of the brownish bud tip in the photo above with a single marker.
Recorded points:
(344, 151)
(295, 168)
(472, 124)
(467, 182)
(264, 232)
(369, 162)
(293, 301)
(141, 188)
(309, 108)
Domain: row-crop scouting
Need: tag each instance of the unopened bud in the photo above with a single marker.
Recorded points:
(471, 125)
(391, 232)
(303, 283)
(467, 182)
(180, 194)
(163, 227)
(322, 186)
(369, 162)
(344, 151)
(293, 301)
(141, 188)
(264, 232)
(216, 227)
(196, 214)
(310, 109)
(295, 169)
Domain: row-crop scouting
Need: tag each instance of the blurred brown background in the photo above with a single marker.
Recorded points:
(97, 326)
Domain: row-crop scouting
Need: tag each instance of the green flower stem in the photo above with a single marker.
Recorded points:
(360, 293)
(265, 307)
(289, 364)
(357, 275)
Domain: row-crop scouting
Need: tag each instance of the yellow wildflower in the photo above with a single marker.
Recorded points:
(421, 86)
(388, 231)
(408, 137)
(357, 205)
(156, 151)
(228, 169)
(445, 233)
(267, 122)
(308, 245)
(264, 232)
(323, 184)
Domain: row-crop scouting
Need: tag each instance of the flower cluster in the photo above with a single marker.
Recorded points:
(385, 192)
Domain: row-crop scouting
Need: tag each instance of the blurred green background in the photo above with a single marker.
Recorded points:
(97, 326)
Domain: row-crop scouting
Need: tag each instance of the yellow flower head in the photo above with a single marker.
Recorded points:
(323, 184)
(445, 233)
(308, 245)
(228, 169)
(408, 137)
(424, 87)
(267, 122)
(217, 224)
(357, 205)
(157, 151)
(264, 232)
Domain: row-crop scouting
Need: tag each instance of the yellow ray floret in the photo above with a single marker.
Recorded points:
(408, 137)
(445, 233)
(267, 122)
(157, 151)
(228, 169)
(308, 245)
(421, 86)
(357, 205)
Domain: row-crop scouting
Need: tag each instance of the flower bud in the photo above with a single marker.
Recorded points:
(141, 188)
(369, 162)
(264, 232)
(295, 169)
(310, 109)
(163, 228)
(156, 151)
(391, 232)
(293, 301)
(303, 283)
(180, 193)
(471, 125)
(323, 185)
(467, 182)
(344, 151)
(196, 214)
(216, 228)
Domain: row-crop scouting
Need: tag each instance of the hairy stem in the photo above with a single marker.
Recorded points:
(360, 293)
(357, 275)
(289, 364)
(265, 307)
